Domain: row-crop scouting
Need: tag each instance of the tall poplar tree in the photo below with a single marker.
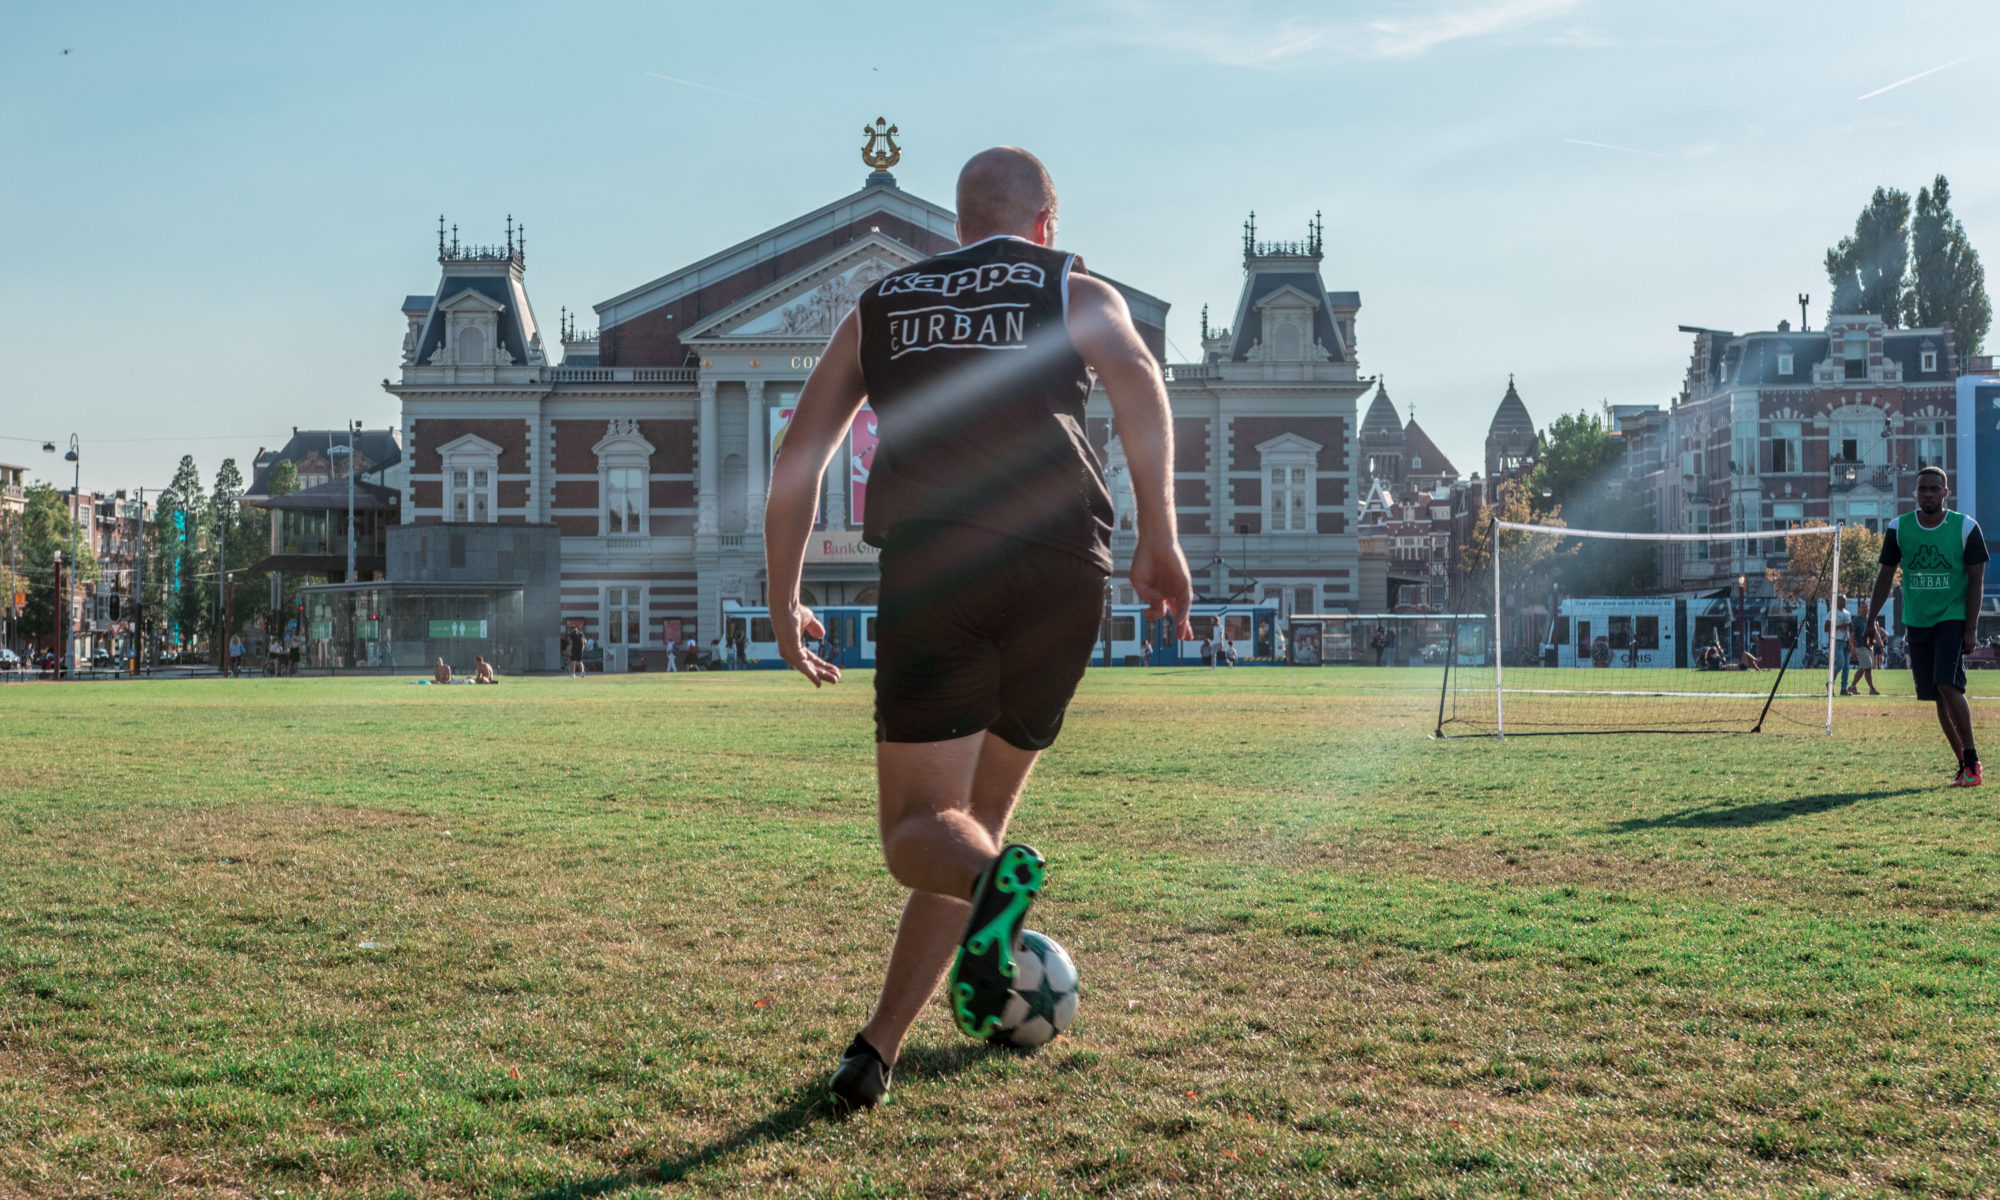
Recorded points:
(1868, 269)
(1948, 282)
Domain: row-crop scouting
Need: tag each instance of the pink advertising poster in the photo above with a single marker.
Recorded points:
(860, 456)
(860, 460)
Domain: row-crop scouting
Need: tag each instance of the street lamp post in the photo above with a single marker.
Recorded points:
(348, 450)
(75, 559)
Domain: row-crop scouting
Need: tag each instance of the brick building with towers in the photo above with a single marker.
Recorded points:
(647, 443)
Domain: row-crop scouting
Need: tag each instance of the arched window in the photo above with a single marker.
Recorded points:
(1289, 343)
(471, 348)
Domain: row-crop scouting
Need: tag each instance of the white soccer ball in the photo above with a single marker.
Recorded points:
(1043, 999)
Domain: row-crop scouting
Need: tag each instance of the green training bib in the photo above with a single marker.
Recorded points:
(1933, 569)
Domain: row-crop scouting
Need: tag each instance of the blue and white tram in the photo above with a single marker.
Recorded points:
(1250, 629)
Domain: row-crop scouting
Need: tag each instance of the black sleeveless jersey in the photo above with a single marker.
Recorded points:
(978, 396)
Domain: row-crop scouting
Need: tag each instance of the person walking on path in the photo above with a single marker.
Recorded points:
(1839, 628)
(1943, 557)
(994, 521)
(1865, 650)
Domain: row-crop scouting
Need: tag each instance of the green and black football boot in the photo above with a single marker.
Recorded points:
(861, 1079)
(984, 971)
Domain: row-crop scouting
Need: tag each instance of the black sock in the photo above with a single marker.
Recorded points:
(861, 1045)
(1971, 757)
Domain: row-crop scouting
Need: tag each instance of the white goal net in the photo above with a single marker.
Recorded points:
(1591, 631)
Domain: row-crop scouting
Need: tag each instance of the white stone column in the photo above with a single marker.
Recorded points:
(708, 506)
(753, 500)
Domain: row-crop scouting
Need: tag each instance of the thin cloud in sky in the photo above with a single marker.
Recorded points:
(1411, 37)
(704, 87)
(1237, 35)
(1696, 151)
(1912, 79)
(1621, 149)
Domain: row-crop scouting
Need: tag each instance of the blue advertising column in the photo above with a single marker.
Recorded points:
(1976, 487)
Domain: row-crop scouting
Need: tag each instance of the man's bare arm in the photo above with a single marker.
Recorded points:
(1975, 593)
(1101, 328)
(1884, 580)
(832, 395)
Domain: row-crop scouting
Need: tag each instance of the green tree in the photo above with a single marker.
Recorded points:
(184, 510)
(1524, 557)
(1581, 473)
(45, 532)
(284, 479)
(1867, 270)
(1808, 557)
(1948, 282)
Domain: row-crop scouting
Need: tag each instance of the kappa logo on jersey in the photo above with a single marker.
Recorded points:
(1927, 570)
(970, 279)
(942, 327)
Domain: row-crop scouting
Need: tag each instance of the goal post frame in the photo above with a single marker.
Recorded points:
(1498, 638)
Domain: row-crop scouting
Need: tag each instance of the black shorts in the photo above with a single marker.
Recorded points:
(1937, 657)
(978, 631)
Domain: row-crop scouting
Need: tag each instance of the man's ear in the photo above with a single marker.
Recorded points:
(1045, 228)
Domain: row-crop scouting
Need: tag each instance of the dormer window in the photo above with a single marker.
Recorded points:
(1784, 360)
(1854, 354)
(1416, 462)
(1927, 358)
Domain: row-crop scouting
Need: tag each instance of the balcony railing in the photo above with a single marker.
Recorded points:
(1184, 372)
(1846, 476)
(620, 374)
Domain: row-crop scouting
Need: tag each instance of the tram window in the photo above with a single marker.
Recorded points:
(1621, 632)
(870, 627)
(1559, 633)
(1583, 637)
(1124, 629)
(1649, 633)
(1236, 627)
(760, 630)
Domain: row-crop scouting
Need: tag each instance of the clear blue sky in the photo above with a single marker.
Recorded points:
(212, 212)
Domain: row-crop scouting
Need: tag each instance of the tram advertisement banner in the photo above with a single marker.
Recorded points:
(861, 441)
(1306, 643)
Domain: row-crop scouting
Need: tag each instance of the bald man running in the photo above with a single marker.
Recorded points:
(990, 508)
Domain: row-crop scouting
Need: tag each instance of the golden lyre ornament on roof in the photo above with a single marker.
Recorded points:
(881, 131)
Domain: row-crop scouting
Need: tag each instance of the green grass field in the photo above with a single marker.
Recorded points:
(622, 926)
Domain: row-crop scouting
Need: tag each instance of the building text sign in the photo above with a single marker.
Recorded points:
(843, 546)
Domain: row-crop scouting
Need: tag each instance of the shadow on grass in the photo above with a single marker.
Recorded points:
(805, 1106)
(1756, 814)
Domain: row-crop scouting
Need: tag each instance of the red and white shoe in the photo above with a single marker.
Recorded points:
(1971, 776)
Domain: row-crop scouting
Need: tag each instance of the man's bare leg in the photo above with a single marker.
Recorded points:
(922, 821)
(1956, 717)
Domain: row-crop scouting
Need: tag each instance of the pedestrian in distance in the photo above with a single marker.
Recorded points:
(994, 522)
(1943, 557)
(1839, 629)
(1865, 649)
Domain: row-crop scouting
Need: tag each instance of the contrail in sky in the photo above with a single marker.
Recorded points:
(1912, 79)
(1622, 149)
(704, 87)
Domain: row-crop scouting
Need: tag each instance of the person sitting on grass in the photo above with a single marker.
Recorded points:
(1749, 662)
(442, 672)
(482, 671)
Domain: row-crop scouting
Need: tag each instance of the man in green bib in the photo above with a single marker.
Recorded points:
(1943, 557)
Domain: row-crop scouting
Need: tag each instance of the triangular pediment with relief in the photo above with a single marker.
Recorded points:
(805, 306)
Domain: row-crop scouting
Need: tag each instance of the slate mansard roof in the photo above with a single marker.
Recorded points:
(1752, 359)
(377, 447)
(493, 278)
(1267, 276)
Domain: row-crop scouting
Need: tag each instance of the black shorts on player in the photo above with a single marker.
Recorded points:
(976, 630)
(1937, 657)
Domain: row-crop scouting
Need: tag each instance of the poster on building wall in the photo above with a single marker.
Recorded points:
(860, 454)
(670, 631)
(861, 441)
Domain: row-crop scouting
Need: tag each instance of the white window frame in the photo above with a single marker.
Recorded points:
(465, 461)
(1927, 361)
(622, 449)
(1295, 463)
(1792, 436)
(627, 602)
(1745, 456)
(1931, 438)
(1785, 362)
